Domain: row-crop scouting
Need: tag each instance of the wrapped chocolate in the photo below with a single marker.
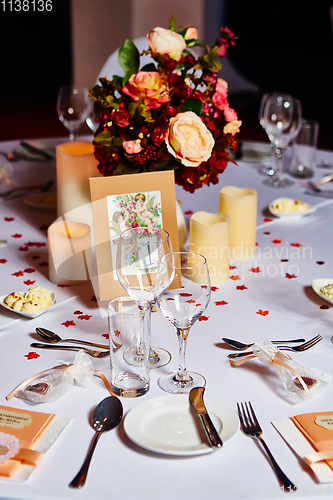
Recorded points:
(300, 381)
(49, 385)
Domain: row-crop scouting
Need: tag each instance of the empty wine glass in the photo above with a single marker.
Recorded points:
(182, 306)
(73, 107)
(281, 119)
(266, 169)
(138, 254)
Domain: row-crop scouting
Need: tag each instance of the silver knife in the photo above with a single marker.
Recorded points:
(196, 398)
(321, 194)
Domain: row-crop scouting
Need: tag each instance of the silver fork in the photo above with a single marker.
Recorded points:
(302, 347)
(251, 427)
(94, 354)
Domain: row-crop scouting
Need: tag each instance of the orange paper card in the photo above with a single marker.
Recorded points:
(27, 426)
(318, 430)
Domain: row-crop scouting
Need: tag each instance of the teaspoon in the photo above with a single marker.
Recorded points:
(55, 339)
(107, 415)
(239, 345)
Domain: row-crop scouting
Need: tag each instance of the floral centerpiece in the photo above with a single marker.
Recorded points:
(171, 114)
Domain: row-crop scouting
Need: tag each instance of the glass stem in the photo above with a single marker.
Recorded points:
(182, 375)
(278, 161)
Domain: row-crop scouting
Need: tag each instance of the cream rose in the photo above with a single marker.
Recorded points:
(232, 127)
(163, 41)
(189, 140)
(149, 86)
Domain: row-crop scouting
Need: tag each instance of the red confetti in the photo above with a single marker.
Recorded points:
(221, 303)
(84, 316)
(197, 305)
(19, 273)
(284, 260)
(62, 286)
(78, 312)
(267, 232)
(290, 276)
(16, 235)
(184, 294)
(214, 288)
(29, 270)
(320, 262)
(262, 313)
(29, 282)
(106, 335)
(204, 286)
(32, 355)
(241, 287)
(23, 249)
(324, 306)
(235, 277)
(277, 242)
(117, 333)
(203, 318)
(189, 212)
(297, 245)
(3, 261)
(9, 219)
(232, 267)
(190, 301)
(34, 257)
(267, 219)
(43, 264)
(255, 270)
(170, 298)
(68, 323)
(35, 244)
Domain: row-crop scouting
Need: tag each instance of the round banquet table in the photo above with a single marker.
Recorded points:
(290, 254)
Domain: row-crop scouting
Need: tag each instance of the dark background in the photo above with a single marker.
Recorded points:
(284, 46)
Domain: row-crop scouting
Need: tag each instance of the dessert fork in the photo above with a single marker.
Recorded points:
(94, 354)
(251, 427)
(302, 347)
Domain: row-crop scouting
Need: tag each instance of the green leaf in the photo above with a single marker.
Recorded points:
(194, 105)
(97, 91)
(104, 138)
(118, 81)
(149, 67)
(172, 24)
(129, 58)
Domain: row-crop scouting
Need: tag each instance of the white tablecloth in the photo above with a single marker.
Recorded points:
(120, 469)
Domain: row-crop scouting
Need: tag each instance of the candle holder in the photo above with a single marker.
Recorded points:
(210, 237)
(240, 204)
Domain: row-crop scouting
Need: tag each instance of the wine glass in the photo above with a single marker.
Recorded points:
(73, 107)
(281, 119)
(266, 169)
(182, 306)
(138, 254)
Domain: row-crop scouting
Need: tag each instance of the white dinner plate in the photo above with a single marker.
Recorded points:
(309, 210)
(27, 315)
(168, 425)
(45, 201)
(318, 284)
(26, 154)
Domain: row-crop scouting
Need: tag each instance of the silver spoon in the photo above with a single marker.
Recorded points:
(107, 415)
(55, 339)
(240, 346)
(94, 354)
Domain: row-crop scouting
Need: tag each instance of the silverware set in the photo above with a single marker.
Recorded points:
(53, 338)
(251, 428)
(315, 189)
(297, 348)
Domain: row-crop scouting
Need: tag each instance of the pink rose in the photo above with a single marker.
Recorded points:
(188, 139)
(149, 86)
(166, 42)
(232, 127)
(132, 147)
(230, 114)
(220, 101)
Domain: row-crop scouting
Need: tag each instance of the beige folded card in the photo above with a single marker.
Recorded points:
(115, 209)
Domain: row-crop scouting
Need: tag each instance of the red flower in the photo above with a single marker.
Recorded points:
(262, 313)
(32, 355)
(203, 318)
(68, 323)
(17, 274)
(84, 316)
(117, 333)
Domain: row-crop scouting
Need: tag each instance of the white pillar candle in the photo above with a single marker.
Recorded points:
(241, 206)
(209, 236)
(69, 252)
(75, 164)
